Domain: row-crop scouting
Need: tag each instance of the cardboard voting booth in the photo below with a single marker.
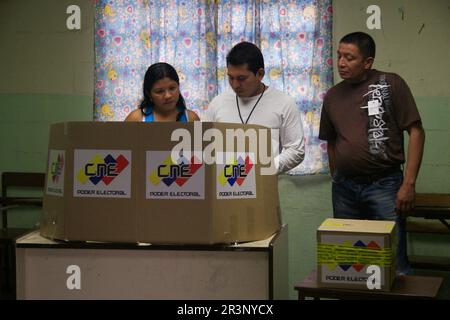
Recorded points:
(353, 253)
(120, 182)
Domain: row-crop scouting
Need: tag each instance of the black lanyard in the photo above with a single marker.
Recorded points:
(239, 110)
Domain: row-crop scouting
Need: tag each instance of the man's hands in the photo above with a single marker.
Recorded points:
(405, 198)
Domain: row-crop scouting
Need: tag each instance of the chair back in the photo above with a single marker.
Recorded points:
(19, 180)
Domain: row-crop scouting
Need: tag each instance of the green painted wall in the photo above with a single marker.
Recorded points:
(47, 77)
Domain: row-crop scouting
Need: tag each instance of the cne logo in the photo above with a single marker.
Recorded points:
(56, 168)
(102, 169)
(354, 256)
(178, 172)
(235, 172)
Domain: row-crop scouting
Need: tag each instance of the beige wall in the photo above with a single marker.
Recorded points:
(39, 54)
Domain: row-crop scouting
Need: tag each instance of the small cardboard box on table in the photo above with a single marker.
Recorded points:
(117, 182)
(353, 253)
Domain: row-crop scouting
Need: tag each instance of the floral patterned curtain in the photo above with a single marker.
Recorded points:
(195, 36)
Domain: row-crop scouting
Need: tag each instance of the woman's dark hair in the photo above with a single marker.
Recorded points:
(246, 53)
(155, 73)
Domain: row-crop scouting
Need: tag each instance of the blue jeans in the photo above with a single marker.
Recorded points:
(372, 201)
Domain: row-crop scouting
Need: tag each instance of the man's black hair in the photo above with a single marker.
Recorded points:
(363, 41)
(246, 53)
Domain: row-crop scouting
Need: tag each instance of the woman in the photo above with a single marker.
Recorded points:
(162, 98)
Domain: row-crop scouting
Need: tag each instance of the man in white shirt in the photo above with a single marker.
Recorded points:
(252, 102)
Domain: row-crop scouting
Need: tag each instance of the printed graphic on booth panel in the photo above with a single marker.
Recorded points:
(102, 173)
(167, 178)
(236, 177)
(55, 173)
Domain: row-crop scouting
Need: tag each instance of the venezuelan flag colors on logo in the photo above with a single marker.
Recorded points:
(348, 255)
(102, 169)
(102, 173)
(182, 177)
(231, 176)
(57, 167)
(343, 258)
(236, 178)
(179, 172)
(55, 173)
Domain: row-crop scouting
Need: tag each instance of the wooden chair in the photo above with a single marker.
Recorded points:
(21, 181)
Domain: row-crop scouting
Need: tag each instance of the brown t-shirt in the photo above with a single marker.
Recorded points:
(368, 143)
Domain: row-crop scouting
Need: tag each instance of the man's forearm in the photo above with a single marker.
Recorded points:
(290, 158)
(415, 153)
(331, 155)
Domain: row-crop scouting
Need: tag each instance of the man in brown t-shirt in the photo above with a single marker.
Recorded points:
(363, 119)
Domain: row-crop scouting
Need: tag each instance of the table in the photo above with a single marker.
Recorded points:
(431, 215)
(406, 287)
(48, 269)
(433, 206)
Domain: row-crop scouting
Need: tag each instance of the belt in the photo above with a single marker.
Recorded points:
(370, 178)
